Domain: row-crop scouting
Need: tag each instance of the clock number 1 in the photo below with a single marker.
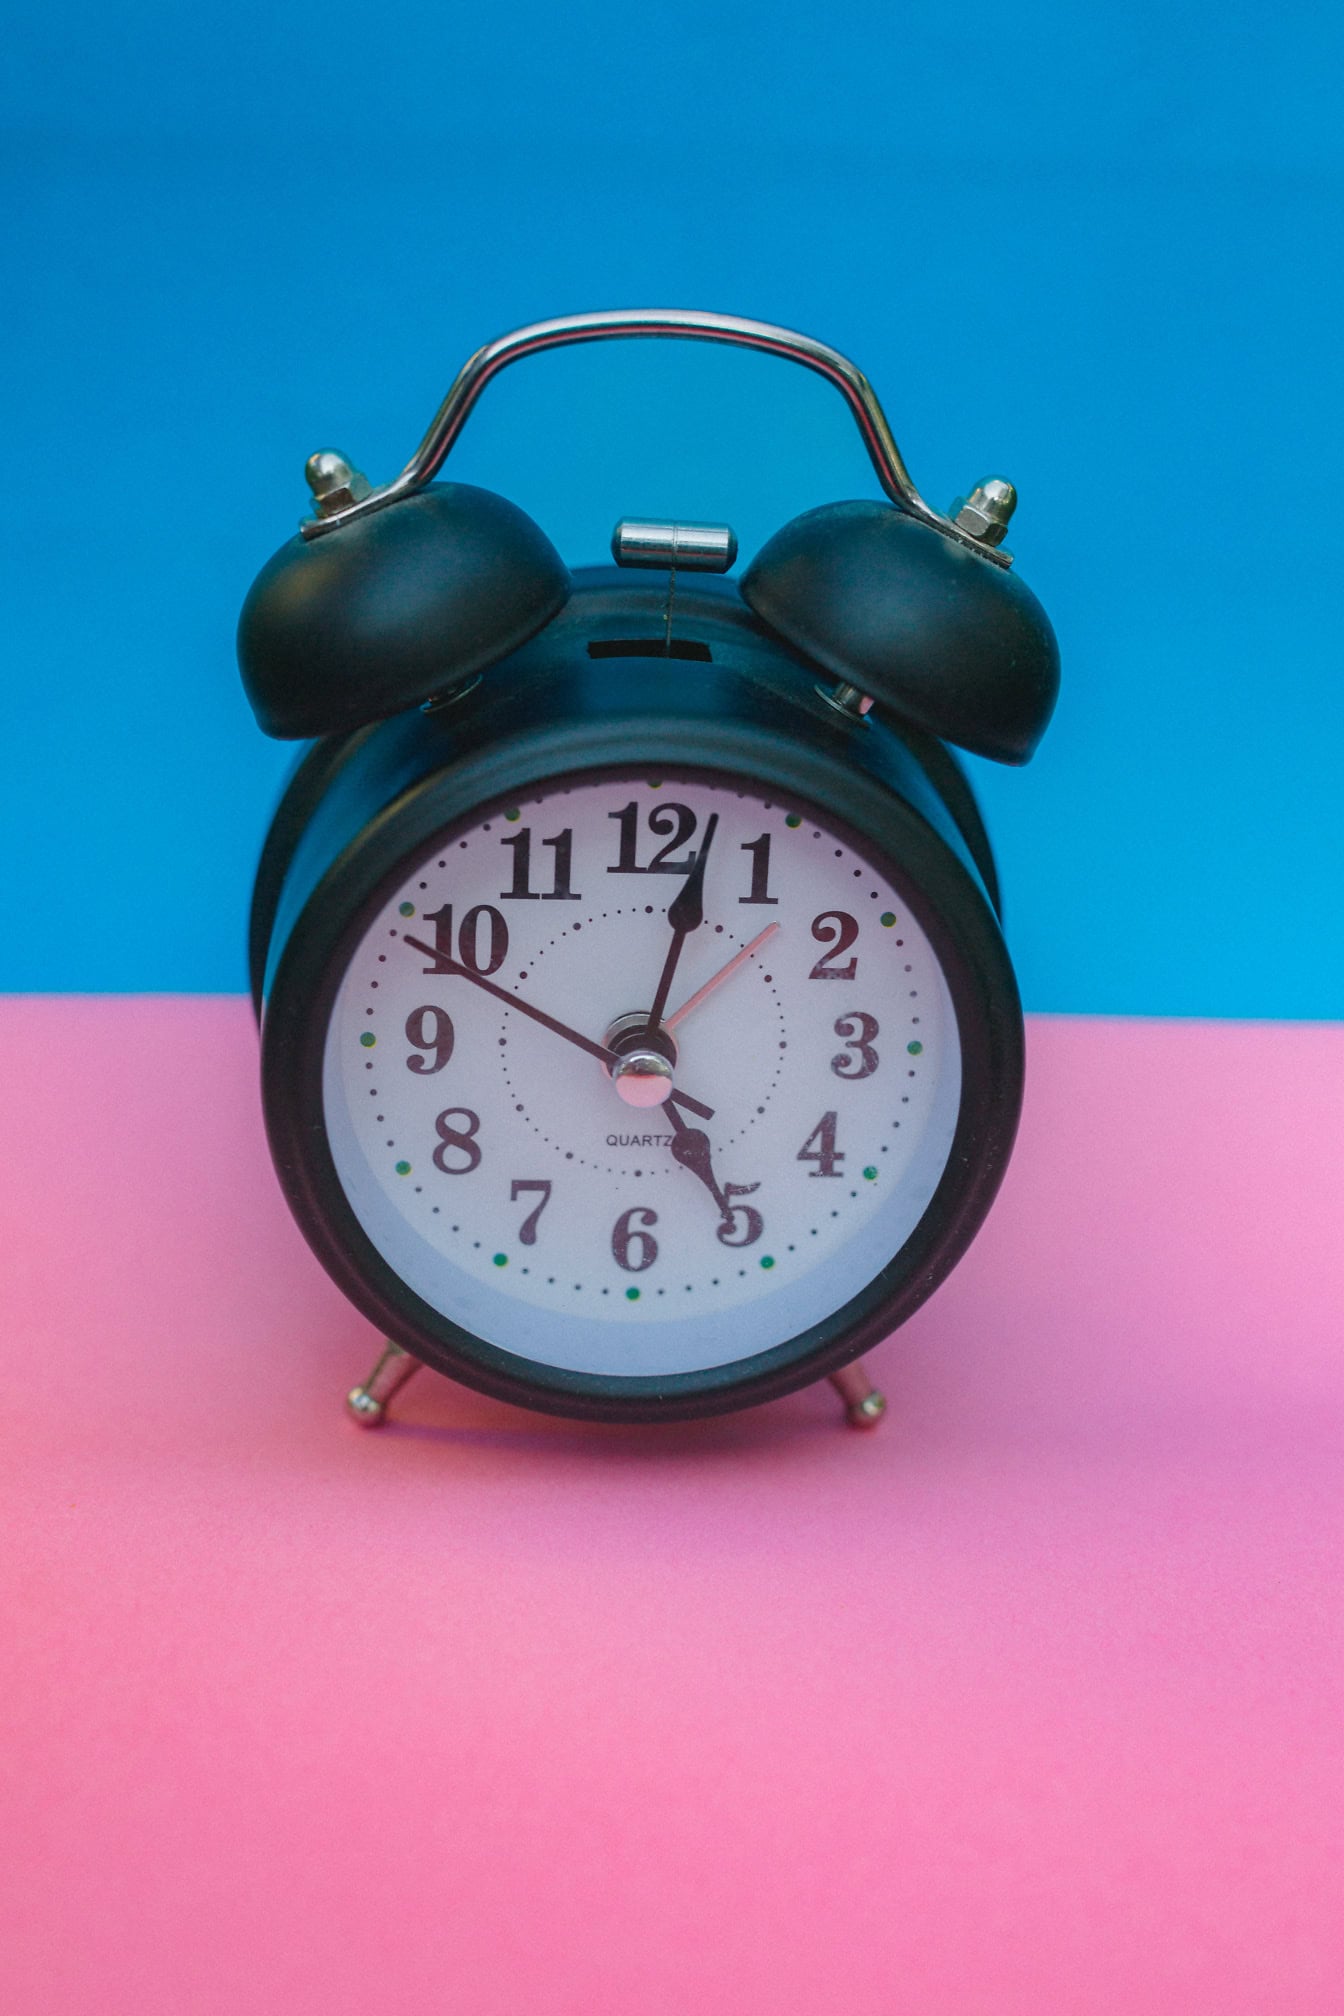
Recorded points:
(759, 851)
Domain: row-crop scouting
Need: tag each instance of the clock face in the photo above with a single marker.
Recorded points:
(738, 1174)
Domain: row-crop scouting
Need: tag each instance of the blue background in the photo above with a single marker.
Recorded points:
(1096, 250)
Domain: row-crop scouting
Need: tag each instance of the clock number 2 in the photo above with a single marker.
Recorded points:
(837, 930)
(461, 1139)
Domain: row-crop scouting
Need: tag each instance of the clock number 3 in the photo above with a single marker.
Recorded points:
(858, 1059)
(460, 1139)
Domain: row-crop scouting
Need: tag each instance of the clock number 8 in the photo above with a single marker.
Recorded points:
(460, 1138)
(632, 1249)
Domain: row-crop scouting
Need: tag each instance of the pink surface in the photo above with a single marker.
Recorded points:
(1030, 1702)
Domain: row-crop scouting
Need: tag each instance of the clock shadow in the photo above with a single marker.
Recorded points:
(454, 1418)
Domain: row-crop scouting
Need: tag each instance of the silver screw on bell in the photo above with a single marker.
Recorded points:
(985, 513)
(334, 482)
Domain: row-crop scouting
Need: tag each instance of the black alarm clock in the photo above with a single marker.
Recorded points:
(638, 1036)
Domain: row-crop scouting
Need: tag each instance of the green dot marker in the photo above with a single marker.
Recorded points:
(403, 1168)
(632, 1294)
(655, 783)
(407, 909)
(870, 1174)
(514, 813)
(501, 1259)
(915, 1049)
(368, 1039)
(794, 819)
(766, 1260)
(888, 918)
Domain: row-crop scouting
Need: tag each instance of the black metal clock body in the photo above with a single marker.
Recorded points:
(638, 1036)
(593, 698)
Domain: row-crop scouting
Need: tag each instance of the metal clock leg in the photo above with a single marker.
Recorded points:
(368, 1403)
(864, 1405)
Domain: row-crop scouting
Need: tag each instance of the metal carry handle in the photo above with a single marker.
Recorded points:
(698, 326)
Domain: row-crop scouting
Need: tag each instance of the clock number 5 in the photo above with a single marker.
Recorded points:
(752, 1224)
(527, 1231)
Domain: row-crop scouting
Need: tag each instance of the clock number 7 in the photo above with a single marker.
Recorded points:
(527, 1231)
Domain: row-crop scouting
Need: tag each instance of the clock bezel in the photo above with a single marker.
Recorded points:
(741, 750)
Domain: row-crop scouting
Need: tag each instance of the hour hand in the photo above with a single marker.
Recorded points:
(690, 1147)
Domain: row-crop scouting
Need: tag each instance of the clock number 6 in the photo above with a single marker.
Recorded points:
(631, 1248)
(527, 1231)
(462, 1139)
(858, 1031)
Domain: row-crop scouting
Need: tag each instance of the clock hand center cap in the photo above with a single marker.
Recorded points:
(642, 1078)
(645, 1062)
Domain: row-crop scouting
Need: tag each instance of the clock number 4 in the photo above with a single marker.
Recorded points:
(522, 890)
(527, 1231)
(825, 1154)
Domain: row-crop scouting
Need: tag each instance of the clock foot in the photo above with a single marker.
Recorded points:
(864, 1405)
(368, 1403)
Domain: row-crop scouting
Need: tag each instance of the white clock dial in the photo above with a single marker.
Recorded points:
(496, 1164)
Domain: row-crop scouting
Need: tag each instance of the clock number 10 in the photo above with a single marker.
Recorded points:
(482, 942)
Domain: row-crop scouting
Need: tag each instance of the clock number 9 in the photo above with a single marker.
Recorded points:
(429, 1029)
(858, 1031)
(462, 1139)
(632, 1249)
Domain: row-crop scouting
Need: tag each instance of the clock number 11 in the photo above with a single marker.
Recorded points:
(522, 890)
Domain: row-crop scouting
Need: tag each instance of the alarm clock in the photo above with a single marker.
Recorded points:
(638, 1036)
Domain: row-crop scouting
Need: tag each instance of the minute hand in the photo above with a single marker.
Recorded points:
(443, 964)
